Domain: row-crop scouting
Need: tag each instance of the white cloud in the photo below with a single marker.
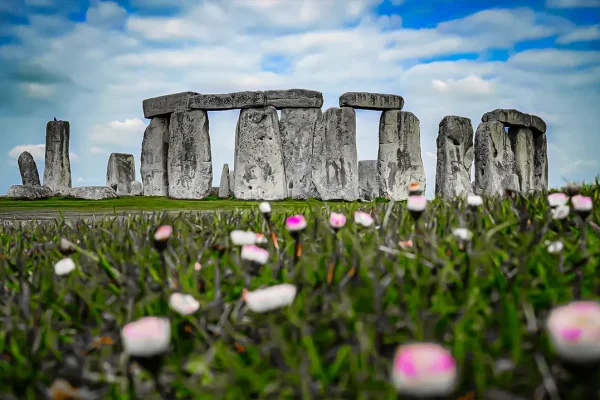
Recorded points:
(471, 85)
(106, 13)
(97, 150)
(572, 3)
(39, 90)
(79, 180)
(553, 58)
(128, 133)
(38, 151)
(582, 34)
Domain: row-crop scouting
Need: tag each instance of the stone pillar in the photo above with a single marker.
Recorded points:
(521, 141)
(155, 153)
(28, 170)
(399, 158)
(189, 164)
(231, 181)
(454, 158)
(335, 159)
(368, 180)
(259, 170)
(297, 127)
(57, 168)
(224, 186)
(120, 172)
(540, 162)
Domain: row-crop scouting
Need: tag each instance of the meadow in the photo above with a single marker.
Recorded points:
(361, 292)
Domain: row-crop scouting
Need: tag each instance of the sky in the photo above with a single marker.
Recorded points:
(93, 62)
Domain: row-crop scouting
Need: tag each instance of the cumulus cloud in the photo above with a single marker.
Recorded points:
(470, 85)
(37, 151)
(583, 34)
(106, 13)
(128, 132)
(572, 3)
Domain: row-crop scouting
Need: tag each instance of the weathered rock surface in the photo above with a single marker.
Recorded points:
(259, 170)
(229, 101)
(189, 162)
(540, 162)
(214, 191)
(297, 127)
(494, 160)
(224, 185)
(28, 169)
(521, 142)
(137, 189)
(454, 158)
(155, 152)
(294, 98)
(335, 160)
(399, 157)
(120, 172)
(231, 181)
(164, 105)
(368, 180)
(371, 101)
(29, 192)
(93, 193)
(512, 117)
(57, 168)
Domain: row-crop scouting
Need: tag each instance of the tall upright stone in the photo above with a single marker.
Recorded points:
(399, 157)
(368, 180)
(120, 172)
(28, 170)
(231, 181)
(335, 159)
(454, 157)
(297, 127)
(494, 160)
(259, 170)
(189, 161)
(540, 162)
(57, 168)
(155, 153)
(224, 186)
(521, 141)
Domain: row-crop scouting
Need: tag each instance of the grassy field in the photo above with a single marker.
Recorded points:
(485, 299)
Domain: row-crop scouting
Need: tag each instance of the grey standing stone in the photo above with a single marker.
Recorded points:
(399, 157)
(136, 188)
(57, 169)
(259, 171)
(540, 162)
(231, 181)
(164, 105)
(494, 160)
(512, 117)
(371, 101)
(190, 160)
(297, 127)
(93, 193)
(120, 172)
(294, 98)
(229, 101)
(454, 158)
(521, 141)
(155, 152)
(335, 159)
(29, 192)
(224, 185)
(368, 180)
(28, 170)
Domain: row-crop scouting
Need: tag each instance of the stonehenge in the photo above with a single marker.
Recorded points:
(28, 170)
(23, 192)
(368, 180)
(57, 168)
(120, 172)
(155, 151)
(454, 157)
(225, 185)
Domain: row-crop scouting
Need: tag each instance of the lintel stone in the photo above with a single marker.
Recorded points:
(371, 101)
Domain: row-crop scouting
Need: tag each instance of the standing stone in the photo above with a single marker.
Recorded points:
(224, 186)
(454, 158)
(368, 180)
(399, 158)
(259, 171)
(190, 160)
(297, 127)
(540, 162)
(231, 181)
(494, 160)
(28, 170)
(136, 188)
(57, 169)
(335, 159)
(521, 141)
(155, 152)
(120, 172)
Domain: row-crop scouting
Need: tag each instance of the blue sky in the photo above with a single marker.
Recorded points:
(93, 62)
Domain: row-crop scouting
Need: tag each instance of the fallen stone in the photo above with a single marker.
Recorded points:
(120, 172)
(454, 158)
(57, 168)
(294, 98)
(368, 180)
(190, 161)
(494, 160)
(22, 192)
(540, 162)
(371, 101)
(136, 188)
(297, 127)
(230, 101)
(259, 170)
(224, 185)
(28, 170)
(165, 105)
(155, 152)
(521, 141)
(93, 193)
(399, 158)
(335, 159)
(512, 117)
